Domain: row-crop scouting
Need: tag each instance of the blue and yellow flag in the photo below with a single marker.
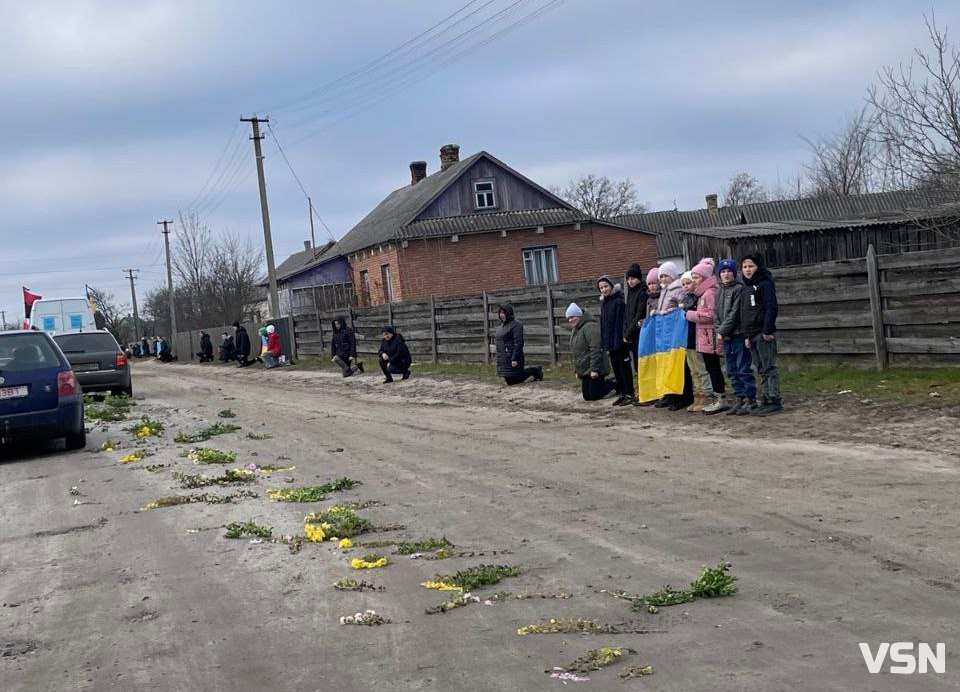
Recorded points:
(661, 353)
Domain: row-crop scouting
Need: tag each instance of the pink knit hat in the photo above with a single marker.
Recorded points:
(653, 276)
(704, 268)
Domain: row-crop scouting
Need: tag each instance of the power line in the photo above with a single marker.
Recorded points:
(233, 132)
(313, 209)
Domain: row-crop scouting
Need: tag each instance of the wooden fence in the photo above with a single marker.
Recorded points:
(885, 309)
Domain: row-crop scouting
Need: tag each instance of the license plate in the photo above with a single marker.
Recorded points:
(13, 392)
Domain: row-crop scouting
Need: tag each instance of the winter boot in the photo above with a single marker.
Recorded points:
(538, 375)
(737, 405)
(772, 406)
(406, 375)
(749, 406)
(360, 366)
(664, 402)
(717, 405)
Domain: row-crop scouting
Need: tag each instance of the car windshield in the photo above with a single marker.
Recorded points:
(86, 343)
(21, 352)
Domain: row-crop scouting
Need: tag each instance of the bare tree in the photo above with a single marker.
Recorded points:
(601, 197)
(115, 315)
(236, 267)
(917, 108)
(743, 188)
(850, 162)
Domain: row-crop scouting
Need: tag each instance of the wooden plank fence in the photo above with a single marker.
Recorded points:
(882, 309)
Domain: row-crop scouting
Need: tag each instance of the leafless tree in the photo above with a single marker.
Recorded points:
(849, 162)
(917, 107)
(115, 315)
(743, 188)
(601, 197)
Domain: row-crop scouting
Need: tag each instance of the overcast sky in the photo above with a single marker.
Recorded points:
(117, 113)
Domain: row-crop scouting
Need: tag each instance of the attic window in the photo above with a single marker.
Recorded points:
(484, 194)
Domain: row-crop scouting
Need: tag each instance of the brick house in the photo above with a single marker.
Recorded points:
(479, 225)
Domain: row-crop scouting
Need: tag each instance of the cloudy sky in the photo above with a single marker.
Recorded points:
(121, 113)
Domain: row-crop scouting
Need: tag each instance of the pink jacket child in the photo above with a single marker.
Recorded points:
(706, 290)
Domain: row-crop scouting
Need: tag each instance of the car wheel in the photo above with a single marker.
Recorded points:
(77, 440)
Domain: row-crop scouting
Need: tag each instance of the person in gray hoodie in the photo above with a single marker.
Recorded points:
(729, 335)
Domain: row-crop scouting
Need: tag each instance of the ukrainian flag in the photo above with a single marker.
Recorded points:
(661, 353)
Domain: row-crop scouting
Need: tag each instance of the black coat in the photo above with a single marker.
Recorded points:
(343, 343)
(635, 312)
(397, 352)
(228, 351)
(206, 346)
(242, 342)
(688, 302)
(509, 341)
(612, 309)
(758, 303)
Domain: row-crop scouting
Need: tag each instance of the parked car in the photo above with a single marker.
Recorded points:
(39, 394)
(98, 361)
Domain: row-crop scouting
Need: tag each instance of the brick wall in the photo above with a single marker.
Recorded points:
(488, 261)
(372, 261)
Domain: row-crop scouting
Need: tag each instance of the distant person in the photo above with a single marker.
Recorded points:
(590, 362)
(612, 309)
(758, 315)
(164, 354)
(726, 325)
(242, 342)
(271, 357)
(262, 332)
(509, 342)
(394, 356)
(144, 347)
(228, 350)
(635, 311)
(206, 348)
(343, 348)
(653, 300)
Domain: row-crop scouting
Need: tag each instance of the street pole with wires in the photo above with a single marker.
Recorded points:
(133, 299)
(313, 238)
(173, 312)
(265, 213)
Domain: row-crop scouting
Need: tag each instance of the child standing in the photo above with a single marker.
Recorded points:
(705, 288)
(729, 335)
(702, 387)
(653, 300)
(758, 311)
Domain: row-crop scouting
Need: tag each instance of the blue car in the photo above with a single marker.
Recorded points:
(40, 397)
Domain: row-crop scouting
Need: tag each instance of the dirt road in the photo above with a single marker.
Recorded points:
(833, 544)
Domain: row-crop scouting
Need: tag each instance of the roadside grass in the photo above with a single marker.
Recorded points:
(906, 385)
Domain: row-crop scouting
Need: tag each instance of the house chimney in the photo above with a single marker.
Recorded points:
(449, 155)
(418, 171)
(712, 204)
(306, 245)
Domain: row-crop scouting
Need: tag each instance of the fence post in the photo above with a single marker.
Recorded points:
(551, 325)
(876, 308)
(433, 328)
(486, 329)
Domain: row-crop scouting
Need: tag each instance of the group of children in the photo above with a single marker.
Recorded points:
(732, 315)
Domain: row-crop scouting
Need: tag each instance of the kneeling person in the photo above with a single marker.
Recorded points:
(343, 348)
(394, 356)
(510, 358)
(271, 357)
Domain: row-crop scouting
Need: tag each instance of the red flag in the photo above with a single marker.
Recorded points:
(29, 299)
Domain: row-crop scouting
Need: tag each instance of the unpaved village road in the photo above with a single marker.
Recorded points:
(833, 544)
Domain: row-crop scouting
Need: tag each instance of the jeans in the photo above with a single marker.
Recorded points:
(765, 360)
(270, 359)
(738, 367)
(622, 370)
(594, 390)
(345, 365)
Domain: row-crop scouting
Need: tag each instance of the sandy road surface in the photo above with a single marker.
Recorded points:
(833, 544)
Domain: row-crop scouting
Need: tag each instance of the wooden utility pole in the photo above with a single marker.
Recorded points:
(133, 299)
(265, 213)
(173, 312)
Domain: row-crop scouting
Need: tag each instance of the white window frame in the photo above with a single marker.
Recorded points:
(540, 265)
(488, 197)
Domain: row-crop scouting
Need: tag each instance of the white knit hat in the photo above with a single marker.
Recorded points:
(669, 269)
(573, 310)
(271, 329)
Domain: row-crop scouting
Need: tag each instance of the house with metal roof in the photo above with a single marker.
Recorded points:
(479, 225)
(317, 277)
(673, 226)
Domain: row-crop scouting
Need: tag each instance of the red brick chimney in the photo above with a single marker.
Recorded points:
(449, 155)
(418, 171)
(712, 204)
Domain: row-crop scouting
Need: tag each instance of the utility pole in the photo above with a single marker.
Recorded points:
(313, 238)
(265, 212)
(3, 320)
(173, 312)
(133, 298)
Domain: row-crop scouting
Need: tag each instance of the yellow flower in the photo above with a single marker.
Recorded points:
(132, 457)
(346, 543)
(314, 533)
(440, 586)
(358, 563)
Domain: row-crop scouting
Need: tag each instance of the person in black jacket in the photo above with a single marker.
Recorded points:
(394, 356)
(206, 348)
(758, 318)
(635, 311)
(242, 342)
(228, 350)
(509, 341)
(612, 310)
(343, 347)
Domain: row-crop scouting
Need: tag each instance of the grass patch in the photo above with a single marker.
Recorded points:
(146, 428)
(918, 386)
(229, 477)
(259, 436)
(340, 521)
(238, 529)
(578, 626)
(208, 455)
(595, 659)
(424, 546)
(476, 577)
(109, 408)
(312, 493)
(348, 584)
(205, 434)
(174, 500)
(713, 582)
(227, 413)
